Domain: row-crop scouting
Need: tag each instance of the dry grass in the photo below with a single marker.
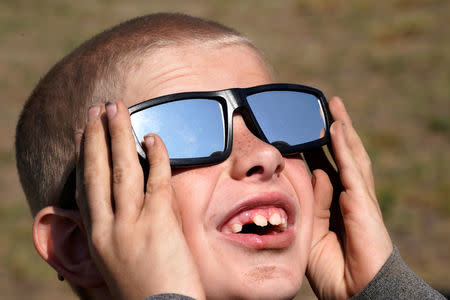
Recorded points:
(388, 60)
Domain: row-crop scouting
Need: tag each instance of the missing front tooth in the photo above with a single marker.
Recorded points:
(252, 228)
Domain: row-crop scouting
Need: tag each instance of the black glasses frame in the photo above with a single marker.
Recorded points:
(231, 101)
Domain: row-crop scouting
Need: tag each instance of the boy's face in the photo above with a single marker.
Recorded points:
(255, 180)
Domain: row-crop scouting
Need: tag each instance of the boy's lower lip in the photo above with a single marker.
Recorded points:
(278, 240)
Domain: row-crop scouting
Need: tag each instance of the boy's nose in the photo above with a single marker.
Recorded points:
(252, 158)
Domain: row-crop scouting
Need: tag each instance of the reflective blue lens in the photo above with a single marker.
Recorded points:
(288, 117)
(191, 128)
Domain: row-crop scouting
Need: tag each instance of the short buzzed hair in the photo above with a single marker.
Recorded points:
(92, 73)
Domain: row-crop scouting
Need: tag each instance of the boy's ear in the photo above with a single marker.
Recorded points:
(60, 239)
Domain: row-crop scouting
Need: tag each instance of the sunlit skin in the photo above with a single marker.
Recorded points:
(205, 195)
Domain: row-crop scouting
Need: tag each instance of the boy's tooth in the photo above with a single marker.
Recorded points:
(283, 224)
(260, 220)
(226, 230)
(275, 219)
(236, 228)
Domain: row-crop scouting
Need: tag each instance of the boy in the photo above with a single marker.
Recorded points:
(182, 230)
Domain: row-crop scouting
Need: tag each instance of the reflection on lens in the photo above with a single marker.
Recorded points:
(190, 128)
(288, 117)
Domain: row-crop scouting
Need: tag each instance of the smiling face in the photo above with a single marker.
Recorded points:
(255, 185)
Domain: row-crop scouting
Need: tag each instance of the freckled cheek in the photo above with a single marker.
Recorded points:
(193, 189)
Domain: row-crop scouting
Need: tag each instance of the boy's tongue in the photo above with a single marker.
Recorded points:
(260, 216)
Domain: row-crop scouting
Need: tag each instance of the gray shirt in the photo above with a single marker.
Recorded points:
(396, 281)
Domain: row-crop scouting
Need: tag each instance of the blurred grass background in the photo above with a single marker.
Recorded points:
(389, 61)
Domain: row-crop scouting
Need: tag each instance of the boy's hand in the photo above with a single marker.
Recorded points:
(135, 239)
(339, 270)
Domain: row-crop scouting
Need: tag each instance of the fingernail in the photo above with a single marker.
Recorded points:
(93, 112)
(111, 109)
(332, 128)
(149, 140)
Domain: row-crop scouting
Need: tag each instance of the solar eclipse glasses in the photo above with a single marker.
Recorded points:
(197, 127)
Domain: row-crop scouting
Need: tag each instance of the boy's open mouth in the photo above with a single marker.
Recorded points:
(260, 221)
(263, 221)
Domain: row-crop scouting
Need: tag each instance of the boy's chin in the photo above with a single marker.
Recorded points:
(258, 284)
(272, 289)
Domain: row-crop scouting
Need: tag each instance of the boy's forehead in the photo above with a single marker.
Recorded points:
(194, 68)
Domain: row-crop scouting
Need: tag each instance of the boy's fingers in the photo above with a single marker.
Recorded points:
(96, 177)
(158, 191)
(323, 195)
(323, 190)
(348, 168)
(359, 198)
(339, 113)
(127, 176)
